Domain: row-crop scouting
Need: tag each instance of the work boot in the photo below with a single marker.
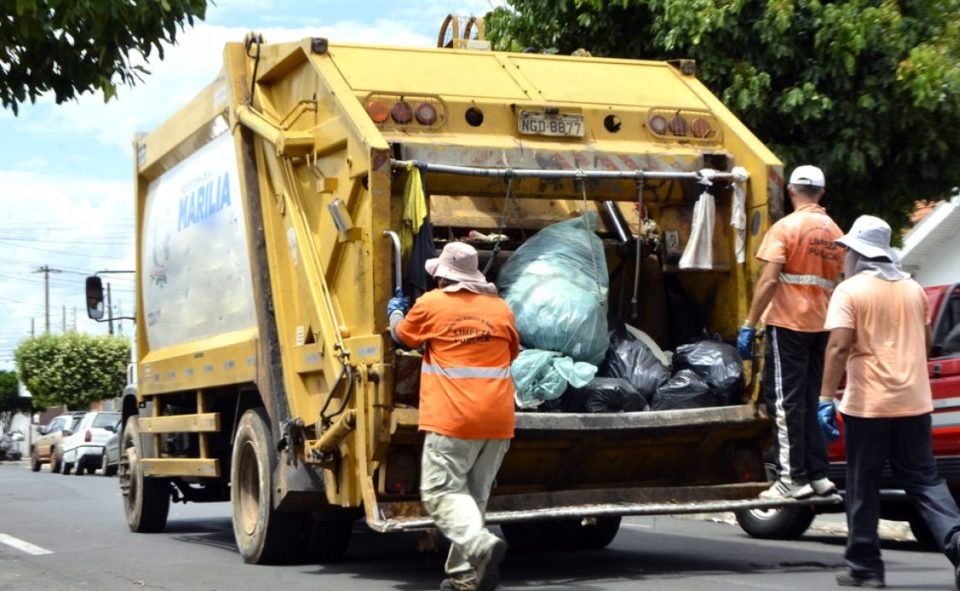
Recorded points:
(488, 565)
(787, 490)
(823, 487)
(848, 579)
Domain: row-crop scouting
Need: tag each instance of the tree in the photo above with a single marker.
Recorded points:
(71, 47)
(868, 90)
(73, 369)
(10, 400)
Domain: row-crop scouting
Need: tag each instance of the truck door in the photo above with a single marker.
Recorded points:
(944, 368)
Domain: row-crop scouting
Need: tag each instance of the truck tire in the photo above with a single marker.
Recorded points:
(566, 534)
(785, 523)
(146, 501)
(263, 534)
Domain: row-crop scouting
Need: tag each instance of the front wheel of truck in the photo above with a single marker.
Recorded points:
(785, 523)
(263, 534)
(146, 501)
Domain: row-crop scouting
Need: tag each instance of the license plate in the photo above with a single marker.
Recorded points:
(561, 125)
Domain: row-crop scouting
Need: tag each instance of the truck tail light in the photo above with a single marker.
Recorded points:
(684, 125)
(88, 436)
(378, 111)
(701, 128)
(402, 112)
(426, 114)
(678, 125)
(658, 124)
(748, 462)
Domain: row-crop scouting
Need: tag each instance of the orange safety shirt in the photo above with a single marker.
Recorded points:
(803, 242)
(465, 386)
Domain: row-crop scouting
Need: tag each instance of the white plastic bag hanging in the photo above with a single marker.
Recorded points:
(738, 212)
(698, 253)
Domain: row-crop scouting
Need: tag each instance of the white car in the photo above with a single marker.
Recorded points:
(83, 447)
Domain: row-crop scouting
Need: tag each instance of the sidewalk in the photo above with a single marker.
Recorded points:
(827, 523)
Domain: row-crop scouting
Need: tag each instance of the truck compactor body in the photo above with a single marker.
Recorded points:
(266, 210)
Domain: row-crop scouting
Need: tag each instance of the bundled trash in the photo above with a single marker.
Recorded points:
(541, 376)
(604, 395)
(718, 364)
(685, 389)
(556, 283)
(634, 361)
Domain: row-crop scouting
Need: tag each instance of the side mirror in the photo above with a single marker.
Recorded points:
(42, 429)
(110, 428)
(94, 297)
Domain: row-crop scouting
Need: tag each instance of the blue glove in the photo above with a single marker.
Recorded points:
(827, 415)
(398, 303)
(745, 341)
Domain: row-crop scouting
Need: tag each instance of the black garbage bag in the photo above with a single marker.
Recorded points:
(604, 395)
(718, 364)
(633, 361)
(684, 390)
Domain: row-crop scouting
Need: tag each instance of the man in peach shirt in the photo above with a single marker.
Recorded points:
(801, 267)
(879, 322)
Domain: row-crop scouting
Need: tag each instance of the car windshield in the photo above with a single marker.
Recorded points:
(106, 419)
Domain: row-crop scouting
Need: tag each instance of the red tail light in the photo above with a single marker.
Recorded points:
(378, 111)
(701, 128)
(87, 437)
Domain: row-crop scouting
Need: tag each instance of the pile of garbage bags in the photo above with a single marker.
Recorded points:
(556, 284)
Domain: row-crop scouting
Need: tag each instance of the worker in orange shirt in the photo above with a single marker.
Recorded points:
(466, 406)
(801, 267)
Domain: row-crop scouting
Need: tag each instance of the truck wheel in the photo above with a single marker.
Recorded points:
(571, 534)
(146, 501)
(785, 523)
(328, 538)
(35, 461)
(525, 536)
(263, 534)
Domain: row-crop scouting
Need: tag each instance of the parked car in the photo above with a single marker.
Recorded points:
(944, 371)
(83, 448)
(10, 446)
(111, 455)
(48, 448)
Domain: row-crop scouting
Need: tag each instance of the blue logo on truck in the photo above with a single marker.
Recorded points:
(204, 201)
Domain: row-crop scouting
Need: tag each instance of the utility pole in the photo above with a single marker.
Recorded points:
(32, 331)
(109, 310)
(64, 330)
(46, 270)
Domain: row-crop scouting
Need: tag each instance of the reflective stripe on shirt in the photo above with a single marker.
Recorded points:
(807, 280)
(467, 372)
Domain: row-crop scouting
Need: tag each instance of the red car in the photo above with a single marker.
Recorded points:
(944, 366)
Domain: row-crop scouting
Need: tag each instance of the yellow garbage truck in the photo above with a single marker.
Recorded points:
(268, 211)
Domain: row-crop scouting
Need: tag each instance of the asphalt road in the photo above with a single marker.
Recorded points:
(76, 539)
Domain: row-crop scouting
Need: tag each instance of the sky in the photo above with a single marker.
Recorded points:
(67, 174)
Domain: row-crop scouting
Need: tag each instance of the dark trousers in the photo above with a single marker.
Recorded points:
(793, 370)
(906, 442)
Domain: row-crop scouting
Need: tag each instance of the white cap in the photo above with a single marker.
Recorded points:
(870, 236)
(808, 175)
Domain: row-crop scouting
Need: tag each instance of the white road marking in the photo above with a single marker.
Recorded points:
(23, 546)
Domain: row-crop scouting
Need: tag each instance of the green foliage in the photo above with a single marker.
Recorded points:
(10, 400)
(71, 47)
(73, 369)
(867, 89)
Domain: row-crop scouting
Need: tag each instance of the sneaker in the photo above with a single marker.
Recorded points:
(848, 579)
(787, 490)
(955, 559)
(823, 487)
(488, 566)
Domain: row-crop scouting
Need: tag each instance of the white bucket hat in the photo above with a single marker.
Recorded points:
(870, 236)
(457, 262)
(809, 175)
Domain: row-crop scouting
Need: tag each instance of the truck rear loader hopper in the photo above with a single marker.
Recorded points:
(266, 212)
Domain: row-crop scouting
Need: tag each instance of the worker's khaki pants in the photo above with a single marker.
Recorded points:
(455, 480)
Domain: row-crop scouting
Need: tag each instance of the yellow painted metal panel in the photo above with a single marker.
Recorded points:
(205, 422)
(425, 71)
(221, 360)
(205, 468)
(606, 82)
